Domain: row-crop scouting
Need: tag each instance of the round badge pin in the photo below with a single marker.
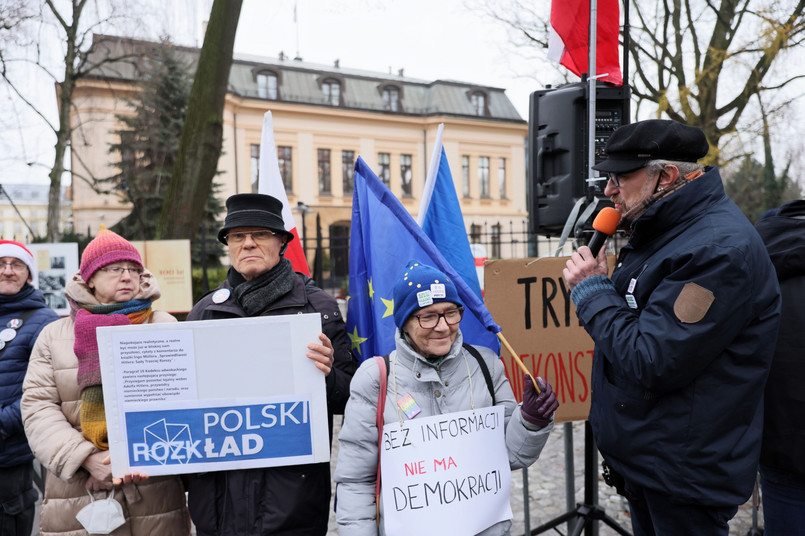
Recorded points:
(8, 334)
(2, 345)
(14, 323)
(220, 295)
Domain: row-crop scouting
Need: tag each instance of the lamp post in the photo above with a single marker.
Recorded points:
(303, 210)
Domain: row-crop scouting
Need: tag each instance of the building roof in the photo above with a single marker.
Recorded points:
(301, 83)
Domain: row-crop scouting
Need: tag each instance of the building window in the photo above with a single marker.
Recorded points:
(406, 174)
(324, 171)
(384, 168)
(483, 175)
(267, 87)
(478, 101)
(502, 177)
(348, 171)
(286, 167)
(465, 175)
(332, 92)
(475, 233)
(254, 166)
(495, 239)
(391, 99)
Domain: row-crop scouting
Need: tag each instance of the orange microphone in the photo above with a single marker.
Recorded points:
(605, 225)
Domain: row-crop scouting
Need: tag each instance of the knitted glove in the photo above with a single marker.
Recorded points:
(538, 408)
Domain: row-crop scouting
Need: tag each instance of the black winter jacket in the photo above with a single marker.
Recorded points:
(783, 446)
(683, 347)
(14, 448)
(289, 500)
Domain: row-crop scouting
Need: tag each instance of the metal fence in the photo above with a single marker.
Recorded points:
(328, 254)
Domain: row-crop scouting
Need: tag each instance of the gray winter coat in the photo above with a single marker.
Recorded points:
(438, 391)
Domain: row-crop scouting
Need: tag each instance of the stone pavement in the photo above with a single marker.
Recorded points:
(546, 486)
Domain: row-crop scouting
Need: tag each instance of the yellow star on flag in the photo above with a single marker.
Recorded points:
(371, 289)
(389, 307)
(356, 340)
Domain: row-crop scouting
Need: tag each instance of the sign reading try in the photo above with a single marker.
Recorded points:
(530, 300)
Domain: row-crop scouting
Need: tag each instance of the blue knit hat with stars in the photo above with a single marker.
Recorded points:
(418, 286)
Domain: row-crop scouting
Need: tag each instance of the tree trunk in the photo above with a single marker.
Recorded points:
(200, 145)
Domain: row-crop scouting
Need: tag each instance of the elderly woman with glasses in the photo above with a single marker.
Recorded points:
(261, 282)
(63, 409)
(431, 372)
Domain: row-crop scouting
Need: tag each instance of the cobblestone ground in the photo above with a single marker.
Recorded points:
(546, 486)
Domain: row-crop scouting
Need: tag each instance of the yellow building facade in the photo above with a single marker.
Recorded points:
(324, 118)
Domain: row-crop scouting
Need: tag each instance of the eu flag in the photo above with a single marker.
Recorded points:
(383, 238)
(441, 219)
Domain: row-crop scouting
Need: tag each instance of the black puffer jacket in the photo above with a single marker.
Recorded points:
(783, 445)
(14, 357)
(289, 500)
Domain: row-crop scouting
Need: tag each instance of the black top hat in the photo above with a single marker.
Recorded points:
(632, 146)
(253, 210)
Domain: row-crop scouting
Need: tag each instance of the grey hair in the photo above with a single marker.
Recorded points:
(656, 166)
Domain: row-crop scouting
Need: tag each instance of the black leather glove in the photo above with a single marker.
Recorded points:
(538, 408)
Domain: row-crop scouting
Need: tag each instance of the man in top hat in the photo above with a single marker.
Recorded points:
(684, 333)
(23, 314)
(261, 282)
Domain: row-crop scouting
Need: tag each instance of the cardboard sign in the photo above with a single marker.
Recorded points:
(213, 395)
(530, 301)
(445, 474)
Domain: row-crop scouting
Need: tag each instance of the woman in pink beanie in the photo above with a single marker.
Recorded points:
(62, 402)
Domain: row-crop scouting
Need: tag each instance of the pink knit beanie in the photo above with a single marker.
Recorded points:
(106, 248)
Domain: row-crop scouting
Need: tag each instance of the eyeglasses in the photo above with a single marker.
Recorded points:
(118, 270)
(431, 320)
(16, 266)
(614, 177)
(259, 237)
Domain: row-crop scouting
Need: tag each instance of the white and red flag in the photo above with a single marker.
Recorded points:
(270, 183)
(570, 36)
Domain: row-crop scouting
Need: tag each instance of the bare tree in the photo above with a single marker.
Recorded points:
(28, 27)
(202, 134)
(696, 61)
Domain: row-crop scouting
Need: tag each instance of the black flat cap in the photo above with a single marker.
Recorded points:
(253, 210)
(632, 146)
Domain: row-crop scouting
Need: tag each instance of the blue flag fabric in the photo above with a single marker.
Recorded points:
(444, 225)
(383, 238)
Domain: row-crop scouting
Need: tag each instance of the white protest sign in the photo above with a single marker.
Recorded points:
(445, 474)
(213, 395)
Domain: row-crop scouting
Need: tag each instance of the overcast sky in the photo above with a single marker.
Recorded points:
(429, 39)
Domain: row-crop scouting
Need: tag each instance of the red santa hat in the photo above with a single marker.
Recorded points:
(9, 248)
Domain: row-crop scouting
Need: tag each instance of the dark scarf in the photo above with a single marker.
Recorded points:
(255, 295)
(629, 217)
(24, 292)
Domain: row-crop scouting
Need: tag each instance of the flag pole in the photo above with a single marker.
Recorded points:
(591, 67)
(517, 359)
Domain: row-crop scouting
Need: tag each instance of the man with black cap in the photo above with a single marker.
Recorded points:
(684, 333)
(261, 282)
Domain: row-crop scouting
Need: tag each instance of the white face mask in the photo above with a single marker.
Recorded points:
(101, 517)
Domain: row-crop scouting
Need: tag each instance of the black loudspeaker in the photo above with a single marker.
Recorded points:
(557, 149)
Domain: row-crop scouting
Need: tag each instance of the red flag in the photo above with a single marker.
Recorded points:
(270, 183)
(568, 45)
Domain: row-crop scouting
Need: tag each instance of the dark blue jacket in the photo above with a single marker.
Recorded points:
(14, 448)
(677, 401)
(784, 426)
